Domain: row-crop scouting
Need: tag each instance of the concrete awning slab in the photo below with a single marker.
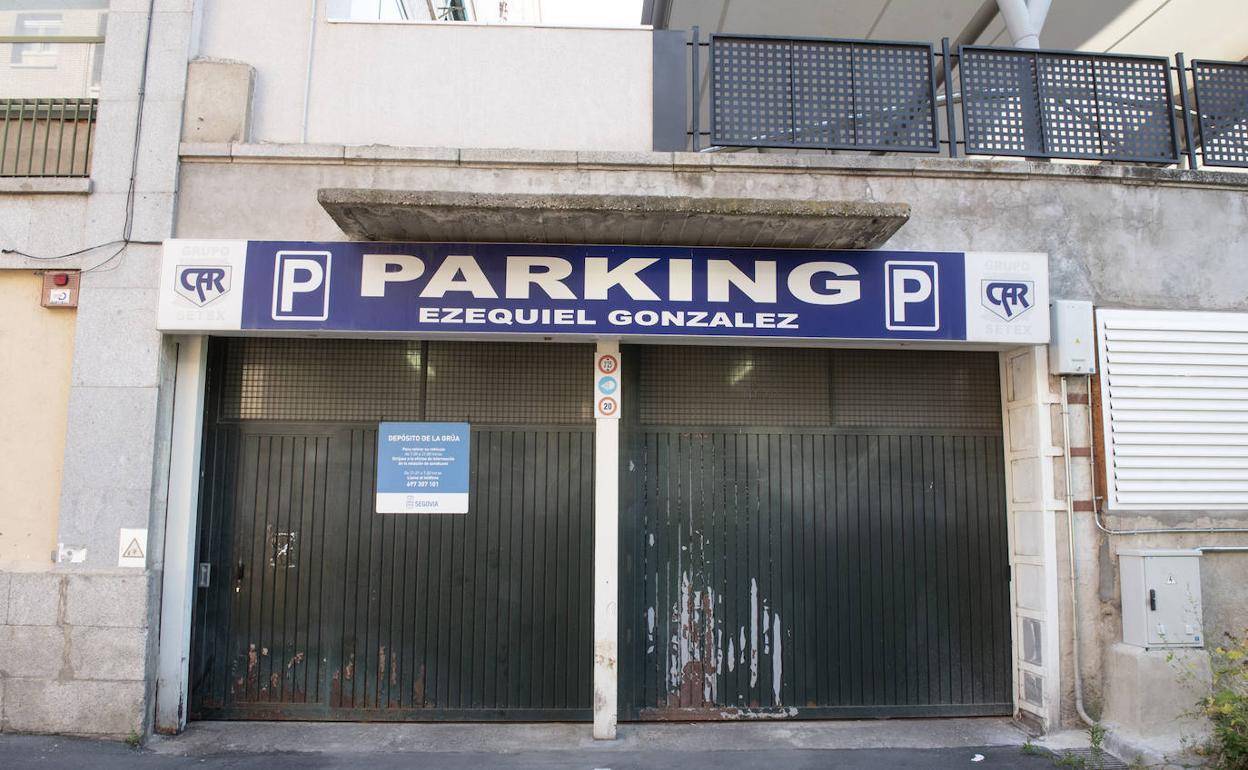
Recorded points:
(433, 216)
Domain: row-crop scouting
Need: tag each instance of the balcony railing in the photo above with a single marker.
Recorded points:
(830, 94)
(46, 137)
(1045, 104)
(807, 93)
(49, 84)
(1222, 104)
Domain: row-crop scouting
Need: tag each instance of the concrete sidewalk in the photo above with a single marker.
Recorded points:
(919, 744)
(22, 752)
(502, 738)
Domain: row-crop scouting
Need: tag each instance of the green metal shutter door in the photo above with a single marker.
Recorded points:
(813, 533)
(321, 609)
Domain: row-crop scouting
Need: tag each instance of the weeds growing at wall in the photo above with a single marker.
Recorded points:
(1226, 706)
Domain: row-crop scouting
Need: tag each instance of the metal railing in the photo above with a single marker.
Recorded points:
(1221, 90)
(828, 94)
(48, 106)
(1051, 104)
(808, 93)
(47, 137)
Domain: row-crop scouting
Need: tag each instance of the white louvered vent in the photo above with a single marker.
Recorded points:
(1174, 390)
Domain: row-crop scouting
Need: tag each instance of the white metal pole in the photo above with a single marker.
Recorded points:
(606, 565)
(1024, 20)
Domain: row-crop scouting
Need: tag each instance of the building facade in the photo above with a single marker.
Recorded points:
(786, 432)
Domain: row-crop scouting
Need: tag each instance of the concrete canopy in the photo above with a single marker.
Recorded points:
(401, 215)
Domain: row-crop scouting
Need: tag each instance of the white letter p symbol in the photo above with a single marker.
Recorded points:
(909, 286)
(299, 276)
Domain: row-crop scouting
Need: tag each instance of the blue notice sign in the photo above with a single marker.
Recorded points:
(422, 467)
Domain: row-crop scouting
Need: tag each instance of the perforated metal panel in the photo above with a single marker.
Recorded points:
(1135, 110)
(805, 92)
(1222, 102)
(1066, 105)
(811, 388)
(506, 382)
(318, 380)
(751, 91)
(1000, 103)
(894, 100)
(935, 390)
(315, 380)
(682, 385)
(823, 93)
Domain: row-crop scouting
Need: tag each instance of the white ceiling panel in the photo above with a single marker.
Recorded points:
(833, 18)
(923, 20)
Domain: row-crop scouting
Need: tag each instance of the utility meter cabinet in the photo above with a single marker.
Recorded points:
(1161, 598)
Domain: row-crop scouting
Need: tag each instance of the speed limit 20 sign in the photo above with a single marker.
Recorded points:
(607, 385)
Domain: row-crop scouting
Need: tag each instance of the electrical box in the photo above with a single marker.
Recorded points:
(1161, 598)
(1072, 342)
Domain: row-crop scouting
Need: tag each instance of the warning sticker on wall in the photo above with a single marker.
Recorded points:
(132, 548)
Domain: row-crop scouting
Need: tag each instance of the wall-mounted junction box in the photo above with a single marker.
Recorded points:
(60, 288)
(1161, 598)
(1072, 337)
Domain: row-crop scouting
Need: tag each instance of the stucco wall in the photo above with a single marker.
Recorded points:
(1119, 236)
(1224, 587)
(436, 84)
(36, 352)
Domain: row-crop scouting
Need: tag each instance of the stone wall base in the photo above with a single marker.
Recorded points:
(73, 652)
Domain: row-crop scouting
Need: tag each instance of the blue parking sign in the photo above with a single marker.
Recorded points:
(912, 295)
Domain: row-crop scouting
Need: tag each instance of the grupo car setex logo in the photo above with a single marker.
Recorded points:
(202, 284)
(1008, 299)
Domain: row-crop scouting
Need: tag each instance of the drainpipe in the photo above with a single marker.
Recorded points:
(1024, 19)
(1070, 542)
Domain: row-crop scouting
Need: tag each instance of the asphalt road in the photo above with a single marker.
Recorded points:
(19, 752)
